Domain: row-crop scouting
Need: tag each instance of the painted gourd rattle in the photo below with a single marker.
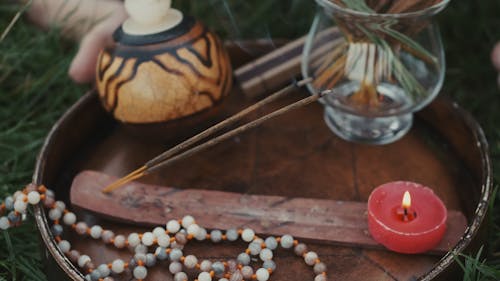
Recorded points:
(164, 66)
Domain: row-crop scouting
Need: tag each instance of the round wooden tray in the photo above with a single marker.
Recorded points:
(294, 156)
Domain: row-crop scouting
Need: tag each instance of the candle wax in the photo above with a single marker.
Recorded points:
(422, 232)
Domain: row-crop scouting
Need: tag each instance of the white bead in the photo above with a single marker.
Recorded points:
(247, 272)
(148, 238)
(266, 255)
(104, 270)
(201, 235)
(69, 218)
(223, 279)
(163, 240)
(118, 266)
(232, 234)
(140, 257)
(271, 243)
(286, 241)
(133, 239)
(193, 229)
(173, 226)
(20, 206)
(204, 276)
(180, 276)
(60, 205)
(175, 255)
(258, 240)
(50, 193)
(34, 197)
(141, 249)
(310, 258)
(83, 260)
(119, 241)
(4, 223)
(140, 272)
(255, 248)
(18, 195)
(187, 221)
(320, 277)
(64, 246)
(206, 265)
(158, 231)
(262, 274)
(55, 214)
(190, 261)
(96, 231)
(247, 235)
(9, 203)
(175, 267)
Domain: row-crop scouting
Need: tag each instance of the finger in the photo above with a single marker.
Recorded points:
(82, 69)
(495, 56)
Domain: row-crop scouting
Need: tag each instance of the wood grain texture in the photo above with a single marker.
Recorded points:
(282, 66)
(293, 156)
(318, 220)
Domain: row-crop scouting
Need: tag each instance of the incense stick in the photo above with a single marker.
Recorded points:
(149, 166)
(239, 130)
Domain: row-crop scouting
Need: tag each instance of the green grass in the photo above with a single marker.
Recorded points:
(476, 268)
(35, 91)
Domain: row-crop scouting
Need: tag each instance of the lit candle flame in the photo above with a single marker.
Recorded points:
(406, 204)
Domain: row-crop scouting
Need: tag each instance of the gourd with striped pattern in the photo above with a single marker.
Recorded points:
(163, 76)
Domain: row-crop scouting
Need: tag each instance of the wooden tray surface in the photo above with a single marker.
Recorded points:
(295, 155)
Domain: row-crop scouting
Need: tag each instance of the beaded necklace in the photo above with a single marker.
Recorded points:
(169, 242)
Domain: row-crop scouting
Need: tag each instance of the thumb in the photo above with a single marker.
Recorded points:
(495, 56)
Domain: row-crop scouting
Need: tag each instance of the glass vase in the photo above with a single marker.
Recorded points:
(380, 64)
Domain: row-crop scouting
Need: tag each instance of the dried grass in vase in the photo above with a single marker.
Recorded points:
(387, 42)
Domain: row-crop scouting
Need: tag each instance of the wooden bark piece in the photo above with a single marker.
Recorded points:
(337, 222)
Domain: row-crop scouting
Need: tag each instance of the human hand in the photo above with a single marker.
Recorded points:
(91, 22)
(495, 58)
(83, 66)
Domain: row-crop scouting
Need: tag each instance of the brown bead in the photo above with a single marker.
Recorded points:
(232, 266)
(181, 238)
(49, 201)
(81, 228)
(319, 268)
(175, 245)
(236, 276)
(107, 236)
(31, 187)
(73, 256)
(300, 249)
(89, 266)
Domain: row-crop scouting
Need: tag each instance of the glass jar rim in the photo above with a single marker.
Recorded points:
(429, 11)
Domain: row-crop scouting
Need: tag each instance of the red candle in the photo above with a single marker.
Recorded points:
(406, 217)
